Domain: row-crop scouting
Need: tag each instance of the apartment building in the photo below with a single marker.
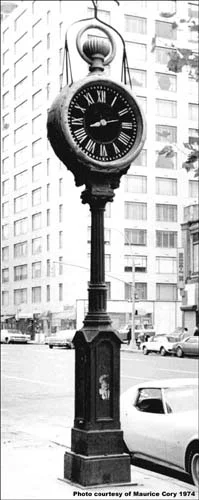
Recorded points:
(45, 228)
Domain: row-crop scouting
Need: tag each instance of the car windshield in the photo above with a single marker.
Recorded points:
(181, 399)
(172, 339)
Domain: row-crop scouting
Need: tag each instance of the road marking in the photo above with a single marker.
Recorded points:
(30, 380)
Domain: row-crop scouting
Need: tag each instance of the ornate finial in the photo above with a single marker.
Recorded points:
(96, 49)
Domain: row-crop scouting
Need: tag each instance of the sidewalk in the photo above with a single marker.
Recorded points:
(33, 469)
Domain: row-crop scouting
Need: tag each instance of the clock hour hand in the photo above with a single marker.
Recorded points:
(96, 124)
(102, 122)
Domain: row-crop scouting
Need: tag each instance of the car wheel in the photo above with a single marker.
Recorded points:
(193, 466)
(179, 352)
(163, 351)
(50, 346)
(145, 351)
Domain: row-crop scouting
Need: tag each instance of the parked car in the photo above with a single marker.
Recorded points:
(63, 338)
(11, 336)
(141, 332)
(159, 419)
(187, 347)
(162, 344)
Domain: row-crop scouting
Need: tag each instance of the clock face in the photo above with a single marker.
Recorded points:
(103, 121)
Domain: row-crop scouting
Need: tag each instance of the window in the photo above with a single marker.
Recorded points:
(6, 143)
(165, 162)
(143, 101)
(48, 65)
(36, 221)
(166, 30)
(166, 265)
(107, 259)
(166, 186)
(36, 172)
(5, 209)
(108, 286)
(5, 231)
(6, 100)
(48, 242)
(21, 249)
(20, 226)
(162, 55)
(6, 56)
(48, 41)
(60, 291)
(103, 15)
(140, 291)
(37, 124)
(5, 275)
(20, 112)
(60, 30)
(48, 217)
(48, 167)
(140, 263)
(135, 210)
(166, 292)
(138, 77)
(195, 256)
(36, 197)
(21, 88)
(136, 52)
(47, 293)
(60, 186)
(166, 82)
(20, 272)
(20, 296)
(5, 165)
(166, 239)
(48, 267)
(37, 100)
(37, 76)
(5, 187)
(166, 108)
(20, 67)
(193, 10)
(36, 52)
(60, 239)
(193, 136)
(20, 180)
(135, 183)
(20, 22)
(107, 236)
(6, 77)
(48, 91)
(6, 35)
(48, 192)
(36, 246)
(166, 213)
(135, 237)
(20, 157)
(60, 265)
(20, 203)
(135, 24)
(193, 189)
(36, 269)
(166, 133)
(107, 212)
(36, 148)
(20, 44)
(141, 159)
(193, 112)
(20, 134)
(5, 253)
(60, 213)
(5, 298)
(36, 294)
(36, 30)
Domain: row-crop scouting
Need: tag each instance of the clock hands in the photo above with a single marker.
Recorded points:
(103, 122)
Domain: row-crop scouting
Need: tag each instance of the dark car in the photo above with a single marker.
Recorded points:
(187, 347)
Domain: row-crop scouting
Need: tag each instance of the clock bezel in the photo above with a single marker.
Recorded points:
(119, 163)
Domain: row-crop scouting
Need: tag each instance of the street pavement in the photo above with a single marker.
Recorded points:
(32, 458)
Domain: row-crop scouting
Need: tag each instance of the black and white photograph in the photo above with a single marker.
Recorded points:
(99, 249)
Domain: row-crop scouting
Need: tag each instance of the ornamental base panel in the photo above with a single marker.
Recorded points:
(97, 442)
(97, 470)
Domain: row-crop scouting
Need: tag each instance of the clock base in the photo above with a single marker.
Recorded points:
(97, 470)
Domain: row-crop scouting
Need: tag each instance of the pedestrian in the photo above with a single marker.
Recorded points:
(129, 336)
(196, 331)
(185, 333)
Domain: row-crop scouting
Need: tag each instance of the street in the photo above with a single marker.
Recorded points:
(37, 398)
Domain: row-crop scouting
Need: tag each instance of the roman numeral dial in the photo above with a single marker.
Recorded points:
(102, 121)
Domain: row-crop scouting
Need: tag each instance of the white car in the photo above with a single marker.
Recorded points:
(9, 336)
(159, 419)
(63, 338)
(163, 344)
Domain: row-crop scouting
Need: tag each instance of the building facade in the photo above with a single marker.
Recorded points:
(45, 229)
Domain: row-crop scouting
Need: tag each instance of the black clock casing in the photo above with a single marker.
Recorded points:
(96, 124)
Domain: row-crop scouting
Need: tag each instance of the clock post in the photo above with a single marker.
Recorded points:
(96, 128)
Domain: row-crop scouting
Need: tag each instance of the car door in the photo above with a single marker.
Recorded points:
(144, 430)
(192, 346)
